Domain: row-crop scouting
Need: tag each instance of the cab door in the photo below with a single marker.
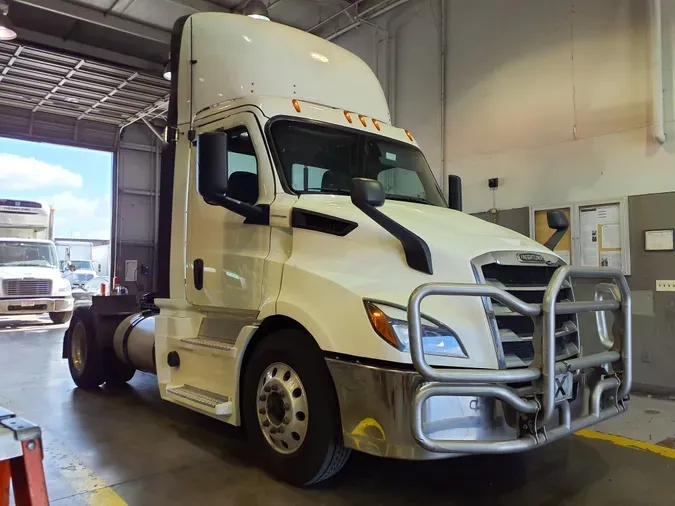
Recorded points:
(226, 256)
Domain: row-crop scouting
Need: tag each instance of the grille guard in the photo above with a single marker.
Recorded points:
(541, 406)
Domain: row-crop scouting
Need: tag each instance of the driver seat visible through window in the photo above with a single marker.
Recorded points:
(242, 166)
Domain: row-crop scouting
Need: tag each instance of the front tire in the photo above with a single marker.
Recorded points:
(290, 409)
(61, 317)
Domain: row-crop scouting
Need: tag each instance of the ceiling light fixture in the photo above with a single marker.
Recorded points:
(256, 9)
(7, 30)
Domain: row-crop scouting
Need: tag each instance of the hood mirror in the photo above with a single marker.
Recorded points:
(367, 191)
(72, 267)
(557, 220)
(455, 192)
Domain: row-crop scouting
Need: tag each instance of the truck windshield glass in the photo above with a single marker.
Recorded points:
(18, 253)
(323, 159)
(83, 265)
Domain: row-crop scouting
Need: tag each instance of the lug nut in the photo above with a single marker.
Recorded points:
(280, 430)
(273, 430)
(262, 398)
(261, 411)
(267, 388)
(274, 388)
(266, 423)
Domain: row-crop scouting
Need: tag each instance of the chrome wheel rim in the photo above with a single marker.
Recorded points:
(78, 347)
(282, 408)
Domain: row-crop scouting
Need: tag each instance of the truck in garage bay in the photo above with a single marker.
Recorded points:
(30, 279)
(315, 287)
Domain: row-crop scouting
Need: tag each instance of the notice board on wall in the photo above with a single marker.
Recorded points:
(597, 236)
(600, 236)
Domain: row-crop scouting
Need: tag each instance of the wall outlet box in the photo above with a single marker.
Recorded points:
(493, 183)
(665, 285)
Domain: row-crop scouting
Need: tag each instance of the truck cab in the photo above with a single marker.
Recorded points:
(317, 289)
(30, 278)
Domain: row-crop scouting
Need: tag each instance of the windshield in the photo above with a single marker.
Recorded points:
(83, 265)
(318, 158)
(36, 254)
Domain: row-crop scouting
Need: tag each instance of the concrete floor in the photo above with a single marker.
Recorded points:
(127, 446)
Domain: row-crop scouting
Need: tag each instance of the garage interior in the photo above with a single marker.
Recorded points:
(565, 103)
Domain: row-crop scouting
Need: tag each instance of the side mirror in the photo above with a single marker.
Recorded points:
(557, 220)
(455, 192)
(367, 191)
(212, 164)
(212, 178)
(72, 268)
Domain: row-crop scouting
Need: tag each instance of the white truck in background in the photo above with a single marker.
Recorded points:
(315, 287)
(76, 260)
(30, 278)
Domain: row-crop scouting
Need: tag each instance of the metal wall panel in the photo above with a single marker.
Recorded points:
(134, 228)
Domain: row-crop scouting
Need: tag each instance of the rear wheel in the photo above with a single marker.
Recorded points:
(84, 356)
(61, 317)
(290, 409)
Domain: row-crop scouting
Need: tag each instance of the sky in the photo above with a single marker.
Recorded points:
(76, 182)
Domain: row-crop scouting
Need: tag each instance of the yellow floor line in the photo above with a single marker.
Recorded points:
(628, 443)
(83, 480)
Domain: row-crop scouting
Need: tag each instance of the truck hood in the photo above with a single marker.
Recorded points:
(20, 271)
(333, 275)
(443, 229)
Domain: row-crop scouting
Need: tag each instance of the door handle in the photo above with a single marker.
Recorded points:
(198, 273)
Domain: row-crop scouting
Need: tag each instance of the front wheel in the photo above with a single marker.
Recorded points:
(290, 409)
(61, 317)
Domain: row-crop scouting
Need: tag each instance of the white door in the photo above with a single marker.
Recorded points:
(230, 252)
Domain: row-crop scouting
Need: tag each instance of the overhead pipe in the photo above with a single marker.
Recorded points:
(443, 44)
(333, 16)
(371, 13)
(657, 72)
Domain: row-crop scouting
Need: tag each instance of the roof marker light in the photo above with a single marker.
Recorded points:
(409, 136)
(296, 105)
(377, 124)
(348, 116)
(363, 120)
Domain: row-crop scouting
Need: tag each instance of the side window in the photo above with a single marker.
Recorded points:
(242, 166)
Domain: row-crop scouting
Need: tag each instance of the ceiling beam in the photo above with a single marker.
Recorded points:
(85, 50)
(101, 19)
(200, 5)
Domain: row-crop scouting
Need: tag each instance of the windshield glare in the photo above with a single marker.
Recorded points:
(36, 254)
(323, 159)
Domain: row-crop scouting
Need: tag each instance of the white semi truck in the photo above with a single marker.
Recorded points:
(30, 279)
(315, 287)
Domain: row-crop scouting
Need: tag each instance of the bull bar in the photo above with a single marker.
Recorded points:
(537, 405)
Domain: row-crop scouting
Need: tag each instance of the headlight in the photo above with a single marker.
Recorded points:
(391, 324)
(65, 286)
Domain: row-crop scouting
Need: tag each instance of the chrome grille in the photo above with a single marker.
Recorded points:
(515, 331)
(26, 287)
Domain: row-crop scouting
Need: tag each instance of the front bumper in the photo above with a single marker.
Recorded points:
(430, 413)
(35, 305)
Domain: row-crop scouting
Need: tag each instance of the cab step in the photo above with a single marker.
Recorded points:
(201, 399)
(209, 343)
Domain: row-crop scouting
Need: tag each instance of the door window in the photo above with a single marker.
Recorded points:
(242, 166)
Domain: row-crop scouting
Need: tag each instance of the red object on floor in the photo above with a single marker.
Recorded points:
(27, 476)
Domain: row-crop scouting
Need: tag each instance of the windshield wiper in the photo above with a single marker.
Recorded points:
(406, 198)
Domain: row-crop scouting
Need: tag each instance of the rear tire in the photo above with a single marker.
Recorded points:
(316, 451)
(84, 356)
(61, 317)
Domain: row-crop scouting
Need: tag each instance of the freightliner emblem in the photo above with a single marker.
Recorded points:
(531, 258)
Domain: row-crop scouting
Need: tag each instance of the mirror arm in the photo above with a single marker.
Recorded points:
(254, 214)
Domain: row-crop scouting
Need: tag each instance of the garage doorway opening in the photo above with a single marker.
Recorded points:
(76, 184)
